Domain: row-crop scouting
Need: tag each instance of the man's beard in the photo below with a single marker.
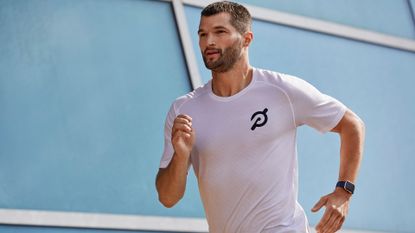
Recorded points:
(227, 59)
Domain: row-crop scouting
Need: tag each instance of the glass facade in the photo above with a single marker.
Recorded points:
(380, 16)
(84, 89)
(85, 86)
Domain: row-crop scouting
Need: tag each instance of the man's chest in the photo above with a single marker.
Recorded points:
(256, 119)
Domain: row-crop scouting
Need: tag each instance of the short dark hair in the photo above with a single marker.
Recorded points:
(240, 16)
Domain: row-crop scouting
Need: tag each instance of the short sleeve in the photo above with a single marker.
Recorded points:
(168, 147)
(311, 107)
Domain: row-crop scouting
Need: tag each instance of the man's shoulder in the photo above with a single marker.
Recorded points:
(192, 95)
(277, 79)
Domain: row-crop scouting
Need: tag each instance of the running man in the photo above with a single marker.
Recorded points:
(238, 132)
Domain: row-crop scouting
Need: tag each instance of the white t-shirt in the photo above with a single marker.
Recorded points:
(245, 156)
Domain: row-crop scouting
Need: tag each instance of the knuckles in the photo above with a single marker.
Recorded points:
(335, 210)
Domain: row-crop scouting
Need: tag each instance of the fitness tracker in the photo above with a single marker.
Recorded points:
(346, 185)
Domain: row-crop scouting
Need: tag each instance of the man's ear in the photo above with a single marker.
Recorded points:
(248, 37)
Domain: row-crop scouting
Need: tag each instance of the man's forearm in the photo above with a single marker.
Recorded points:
(351, 151)
(171, 181)
(352, 133)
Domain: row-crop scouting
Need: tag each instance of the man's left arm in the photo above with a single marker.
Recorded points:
(352, 132)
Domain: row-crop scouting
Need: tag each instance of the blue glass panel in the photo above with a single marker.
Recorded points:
(385, 16)
(84, 90)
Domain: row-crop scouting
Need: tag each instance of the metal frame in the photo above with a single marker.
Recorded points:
(186, 40)
(135, 222)
(411, 10)
(101, 221)
(108, 221)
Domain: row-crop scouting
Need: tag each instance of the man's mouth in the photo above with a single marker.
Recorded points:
(212, 52)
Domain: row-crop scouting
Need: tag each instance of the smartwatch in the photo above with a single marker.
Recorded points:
(346, 185)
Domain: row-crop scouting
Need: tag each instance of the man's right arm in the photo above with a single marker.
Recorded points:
(171, 181)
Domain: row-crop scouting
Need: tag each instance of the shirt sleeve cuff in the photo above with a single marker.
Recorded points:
(335, 121)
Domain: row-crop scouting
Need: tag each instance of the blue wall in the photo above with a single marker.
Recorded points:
(84, 89)
(385, 16)
(85, 86)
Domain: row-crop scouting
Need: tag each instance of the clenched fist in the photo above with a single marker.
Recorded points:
(183, 135)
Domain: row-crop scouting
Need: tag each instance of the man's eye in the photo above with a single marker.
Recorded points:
(221, 32)
(202, 34)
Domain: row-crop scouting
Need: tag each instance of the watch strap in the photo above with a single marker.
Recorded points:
(347, 186)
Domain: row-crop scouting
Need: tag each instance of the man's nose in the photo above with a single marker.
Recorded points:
(210, 40)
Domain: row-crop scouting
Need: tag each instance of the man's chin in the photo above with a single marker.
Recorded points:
(219, 69)
(211, 66)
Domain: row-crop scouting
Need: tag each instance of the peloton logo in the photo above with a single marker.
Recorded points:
(259, 118)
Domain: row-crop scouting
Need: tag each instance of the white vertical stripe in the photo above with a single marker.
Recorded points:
(187, 43)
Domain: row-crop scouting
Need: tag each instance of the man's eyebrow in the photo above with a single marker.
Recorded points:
(220, 27)
(216, 28)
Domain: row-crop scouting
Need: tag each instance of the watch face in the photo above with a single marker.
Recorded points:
(349, 187)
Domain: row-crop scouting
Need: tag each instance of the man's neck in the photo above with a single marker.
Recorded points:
(233, 81)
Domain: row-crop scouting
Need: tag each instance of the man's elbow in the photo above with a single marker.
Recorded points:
(352, 124)
(168, 202)
(360, 125)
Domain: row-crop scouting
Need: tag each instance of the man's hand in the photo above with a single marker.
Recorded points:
(337, 207)
(183, 135)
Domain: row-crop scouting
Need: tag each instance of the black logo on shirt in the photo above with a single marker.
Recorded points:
(260, 118)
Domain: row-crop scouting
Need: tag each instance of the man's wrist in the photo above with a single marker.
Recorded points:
(346, 186)
(343, 192)
(181, 158)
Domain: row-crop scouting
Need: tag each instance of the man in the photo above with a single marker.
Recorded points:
(238, 132)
